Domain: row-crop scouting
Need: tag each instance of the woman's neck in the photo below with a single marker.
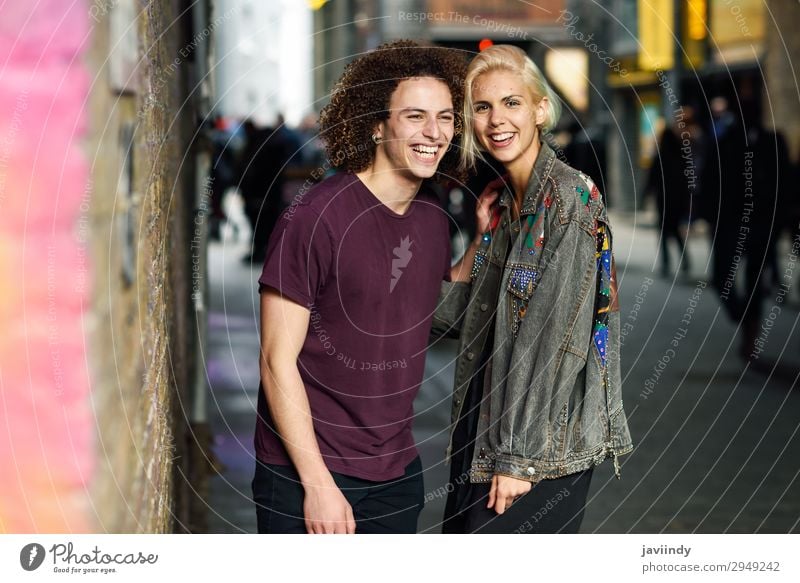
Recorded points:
(519, 174)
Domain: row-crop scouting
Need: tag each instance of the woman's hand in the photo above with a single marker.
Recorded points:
(505, 490)
(483, 210)
(461, 271)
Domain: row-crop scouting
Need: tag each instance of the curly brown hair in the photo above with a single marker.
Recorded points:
(360, 100)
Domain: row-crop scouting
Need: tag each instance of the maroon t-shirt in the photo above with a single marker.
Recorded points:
(371, 279)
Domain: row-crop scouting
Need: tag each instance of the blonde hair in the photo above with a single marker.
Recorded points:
(504, 58)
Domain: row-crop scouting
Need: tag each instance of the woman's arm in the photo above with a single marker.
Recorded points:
(483, 218)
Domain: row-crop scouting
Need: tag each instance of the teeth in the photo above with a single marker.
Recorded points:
(428, 150)
(501, 137)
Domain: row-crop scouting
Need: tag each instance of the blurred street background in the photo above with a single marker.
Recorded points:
(147, 148)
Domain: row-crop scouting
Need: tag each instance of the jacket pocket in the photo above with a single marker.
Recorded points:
(522, 280)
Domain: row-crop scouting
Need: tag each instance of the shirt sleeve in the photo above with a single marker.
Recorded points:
(299, 256)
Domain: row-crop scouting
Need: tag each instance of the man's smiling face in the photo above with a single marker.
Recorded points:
(419, 130)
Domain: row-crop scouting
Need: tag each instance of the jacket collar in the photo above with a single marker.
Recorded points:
(541, 172)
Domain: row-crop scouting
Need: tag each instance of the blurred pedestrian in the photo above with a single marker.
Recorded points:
(746, 182)
(223, 172)
(312, 150)
(673, 181)
(292, 141)
(261, 179)
(722, 118)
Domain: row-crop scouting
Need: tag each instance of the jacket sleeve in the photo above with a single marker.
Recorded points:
(449, 315)
(548, 355)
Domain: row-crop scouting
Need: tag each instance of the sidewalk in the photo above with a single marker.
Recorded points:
(717, 443)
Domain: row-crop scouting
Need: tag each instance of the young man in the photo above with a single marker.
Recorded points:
(350, 283)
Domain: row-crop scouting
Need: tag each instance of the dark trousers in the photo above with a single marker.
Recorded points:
(672, 232)
(552, 506)
(378, 507)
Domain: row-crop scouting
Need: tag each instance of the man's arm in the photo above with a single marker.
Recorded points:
(284, 325)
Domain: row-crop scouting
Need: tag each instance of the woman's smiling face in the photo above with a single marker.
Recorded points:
(505, 118)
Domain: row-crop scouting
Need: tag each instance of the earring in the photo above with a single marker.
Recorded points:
(376, 138)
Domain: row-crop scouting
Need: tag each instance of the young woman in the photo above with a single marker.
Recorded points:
(537, 400)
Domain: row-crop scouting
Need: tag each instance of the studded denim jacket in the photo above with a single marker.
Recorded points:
(552, 394)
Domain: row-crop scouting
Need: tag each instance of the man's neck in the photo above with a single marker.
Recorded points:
(394, 191)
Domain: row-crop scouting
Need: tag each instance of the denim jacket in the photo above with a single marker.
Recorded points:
(552, 394)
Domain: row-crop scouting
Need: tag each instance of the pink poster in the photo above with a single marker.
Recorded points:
(46, 437)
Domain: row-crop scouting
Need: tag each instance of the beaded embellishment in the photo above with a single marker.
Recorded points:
(480, 256)
(522, 281)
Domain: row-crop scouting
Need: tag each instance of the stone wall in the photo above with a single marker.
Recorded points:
(142, 323)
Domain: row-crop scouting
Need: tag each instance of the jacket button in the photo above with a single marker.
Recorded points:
(470, 355)
(457, 402)
(531, 470)
(484, 307)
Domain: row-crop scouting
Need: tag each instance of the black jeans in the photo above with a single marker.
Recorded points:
(552, 506)
(378, 507)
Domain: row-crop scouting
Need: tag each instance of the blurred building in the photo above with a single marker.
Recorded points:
(780, 68)
(674, 53)
(621, 67)
(263, 59)
(344, 29)
(146, 208)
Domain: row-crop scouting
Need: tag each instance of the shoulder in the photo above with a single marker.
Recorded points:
(321, 202)
(320, 195)
(578, 198)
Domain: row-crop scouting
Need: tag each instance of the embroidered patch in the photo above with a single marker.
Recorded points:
(606, 292)
(589, 192)
(533, 232)
(584, 194)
